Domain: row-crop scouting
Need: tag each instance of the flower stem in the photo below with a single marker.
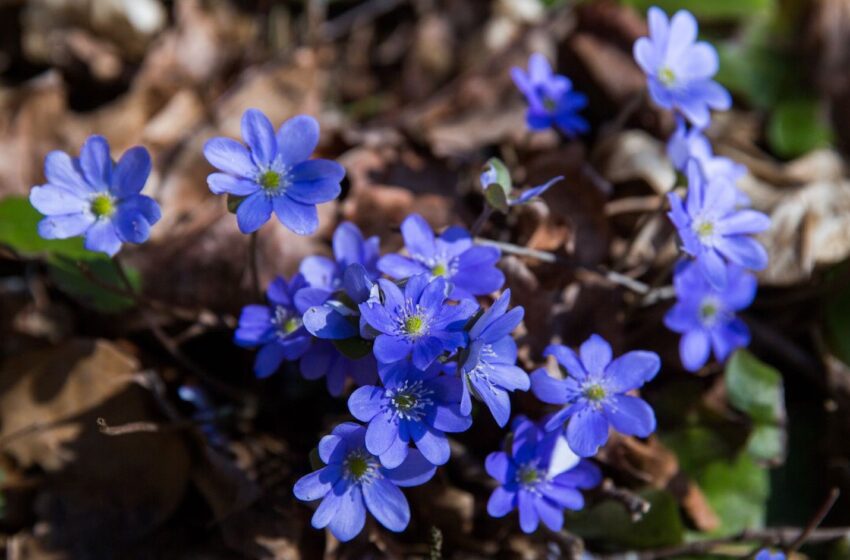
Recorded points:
(254, 266)
(482, 219)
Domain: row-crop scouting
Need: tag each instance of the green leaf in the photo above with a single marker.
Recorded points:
(737, 492)
(496, 198)
(708, 10)
(90, 288)
(767, 443)
(755, 388)
(797, 127)
(19, 230)
(609, 523)
(696, 447)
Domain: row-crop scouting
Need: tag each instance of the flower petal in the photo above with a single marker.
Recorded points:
(96, 163)
(365, 403)
(595, 354)
(303, 219)
(587, 431)
(317, 484)
(631, 370)
(103, 237)
(501, 502)
(253, 212)
(132, 172)
(65, 226)
(415, 470)
(418, 237)
(222, 183)
(350, 516)
(258, 133)
(55, 200)
(387, 503)
(694, 349)
(230, 156)
(297, 139)
(62, 170)
(630, 415)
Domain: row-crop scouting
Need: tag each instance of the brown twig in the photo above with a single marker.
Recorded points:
(815, 521)
(634, 504)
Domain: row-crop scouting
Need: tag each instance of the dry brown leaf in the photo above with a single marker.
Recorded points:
(635, 155)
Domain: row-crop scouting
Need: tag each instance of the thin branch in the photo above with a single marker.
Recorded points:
(254, 266)
(815, 521)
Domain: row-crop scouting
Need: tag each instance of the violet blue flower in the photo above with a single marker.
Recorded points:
(418, 322)
(354, 482)
(412, 406)
(679, 69)
(276, 328)
(594, 393)
(94, 197)
(488, 368)
(766, 554)
(323, 359)
(274, 173)
(349, 247)
(551, 99)
(471, 269)
(713, 230)
(539, 476)
(705, 316)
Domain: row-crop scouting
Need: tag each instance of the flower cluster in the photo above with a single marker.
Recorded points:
(713, 221)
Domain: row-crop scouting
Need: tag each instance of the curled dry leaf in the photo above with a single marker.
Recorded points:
(635, 155)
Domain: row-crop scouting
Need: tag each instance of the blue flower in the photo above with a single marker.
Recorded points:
(470, 268)
(274, 173)
(412, 406)
(765, 554)
(94, 197)
(489, 368)
(713, 230)
(680, 69)
(417, 323)
(706, 317)
(349, 248)
(276, 328)
(323, 359)
(594, 393)
(354, 481)
(550, 96)
(540, 476)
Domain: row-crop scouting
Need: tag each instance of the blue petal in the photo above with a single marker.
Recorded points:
(549, 514)
(132, 172)
(230, 156)
(528, 518)
(268, 359)
(302, 219)
(387, 503)
(253, 212)
(587, 431)
(568, 359)
(398, 266)
(222, 183)
(448, 418)
(102, 237)
(501, 502)
(694, 349)
(433, 444)
(595, 354)
(356, 283)
(314, 170)
(630, 415)
(418, 236)
(547, 388)
(415, 470)
(320, 272)
(314, 192)
(365, 403)
(131, 225)
(498, 466)
(631, 370)
(317, 484)
(96, 163)
(52, 200)
(143, 205)
(65, 226)
(60, 169)
(744, 251)
(258, 133)
(350, 516)
(381, 433)
(297, 139)
(389, 348)
(327, 323)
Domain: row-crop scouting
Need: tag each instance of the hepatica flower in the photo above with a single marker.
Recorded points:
(323, 359)
(593, 394)
(540, 476)
(275, 328)
(488, 368)
(713, 229)
(274, 173)
(349, 247)
(687, 143)
(94, 197)
(551, 99)
(471, 269)
(766, 554)
(418, 322)
(412, 406)
(354, 482)
(339, 318)
(705, 316)
(680, 69)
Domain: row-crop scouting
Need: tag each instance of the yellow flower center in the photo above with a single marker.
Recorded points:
(102, 206)
(269, 180)
(594, 393)
(414, 325)
(439, 269)
(666, 76)
(705, 229)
